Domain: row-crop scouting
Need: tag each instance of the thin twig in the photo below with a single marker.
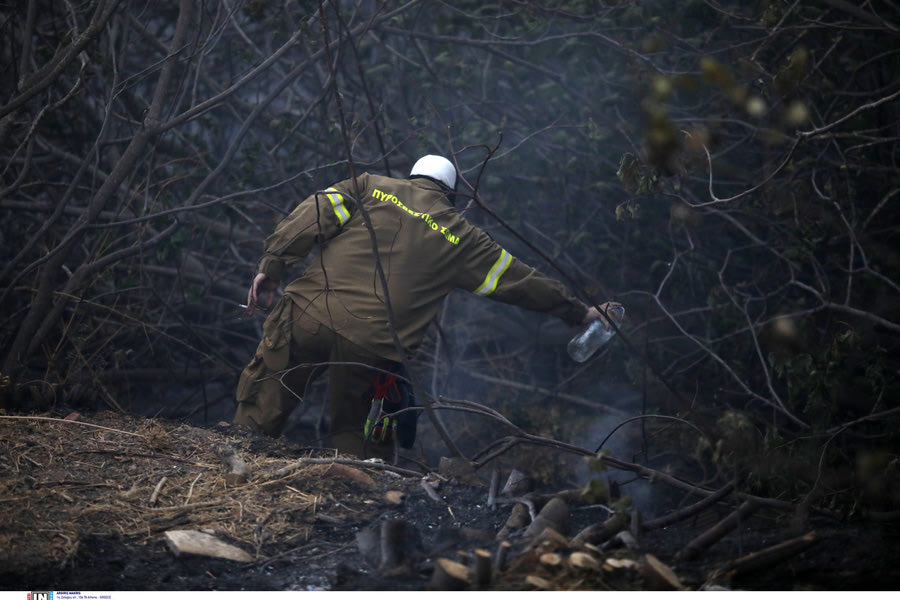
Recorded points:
(207, 504)
(492, 489)
(156, 491)
(432, 493)
(191, 489)
(71, 423)
(345, 461)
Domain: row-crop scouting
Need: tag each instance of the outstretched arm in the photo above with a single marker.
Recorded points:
(493, 272)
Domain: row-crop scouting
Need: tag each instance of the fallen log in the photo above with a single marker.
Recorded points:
(701, 543)
(517, 484)
(554, 514)
(689, 511)
(769, 556)
(660, 476)
(518, 518)
(548, 540)
(628, 540)
(600, 532)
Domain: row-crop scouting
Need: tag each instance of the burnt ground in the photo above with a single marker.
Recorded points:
(87, 504)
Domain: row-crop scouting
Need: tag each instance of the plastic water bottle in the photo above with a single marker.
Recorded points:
(593, 336)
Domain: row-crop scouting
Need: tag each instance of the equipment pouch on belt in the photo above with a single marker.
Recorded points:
(391, 393)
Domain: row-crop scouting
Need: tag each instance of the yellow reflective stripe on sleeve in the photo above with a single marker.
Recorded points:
(489, 284)
(337, 203)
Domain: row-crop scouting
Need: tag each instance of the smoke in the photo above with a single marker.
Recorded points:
(515, 361)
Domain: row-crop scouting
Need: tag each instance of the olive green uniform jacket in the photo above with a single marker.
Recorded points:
(425, 248)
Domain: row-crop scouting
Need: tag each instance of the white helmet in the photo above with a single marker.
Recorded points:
(437, 168)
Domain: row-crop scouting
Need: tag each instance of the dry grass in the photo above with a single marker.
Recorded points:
(136, 478)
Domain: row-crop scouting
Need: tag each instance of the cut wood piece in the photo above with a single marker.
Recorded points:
(600, 532)
(538, 582)
(394, 540)
(555, 515)
(659, 576)
(188, 541)
(549, 540)
(502, 553)
(712, 535)
(449, 575)
(770, 556)
(482, 562)
(583, 560)
(518, 518)
(517, 483)
(619, 563)
(551, 559)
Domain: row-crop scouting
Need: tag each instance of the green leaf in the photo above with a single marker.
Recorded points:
(595, 492)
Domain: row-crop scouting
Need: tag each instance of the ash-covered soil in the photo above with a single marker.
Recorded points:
(87, 505)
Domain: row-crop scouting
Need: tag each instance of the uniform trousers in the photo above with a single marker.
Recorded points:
(295, 349)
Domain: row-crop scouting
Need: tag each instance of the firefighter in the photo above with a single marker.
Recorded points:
(337, 313)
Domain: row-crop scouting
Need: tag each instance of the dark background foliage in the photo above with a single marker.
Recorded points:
(728, 170)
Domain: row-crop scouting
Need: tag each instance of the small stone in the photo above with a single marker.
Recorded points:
(394, 497)
(183, 541)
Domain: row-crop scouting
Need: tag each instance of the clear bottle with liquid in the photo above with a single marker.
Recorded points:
(583, 345)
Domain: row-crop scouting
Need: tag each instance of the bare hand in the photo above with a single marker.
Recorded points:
(610, 308)
(261, 285)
